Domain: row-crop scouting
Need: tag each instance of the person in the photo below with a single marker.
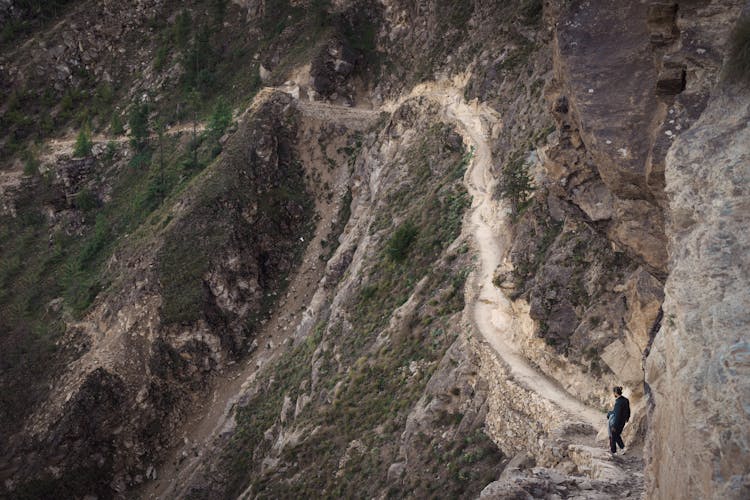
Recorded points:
(616, 420)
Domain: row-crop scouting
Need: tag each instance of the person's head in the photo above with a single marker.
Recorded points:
(617, 391)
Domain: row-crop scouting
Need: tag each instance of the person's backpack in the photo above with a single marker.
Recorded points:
(626, 410)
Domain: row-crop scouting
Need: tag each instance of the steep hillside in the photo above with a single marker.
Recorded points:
(275, 248)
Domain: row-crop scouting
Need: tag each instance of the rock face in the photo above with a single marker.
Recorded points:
(604, 56)
(699, 367)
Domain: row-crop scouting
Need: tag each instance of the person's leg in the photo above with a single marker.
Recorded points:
(612, 446)
(619, 439)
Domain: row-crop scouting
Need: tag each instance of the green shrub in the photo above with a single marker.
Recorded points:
(103, 97)
(96, 243)
(182, 29)
(400, 242)
(83, 144)
(109, 154)
(85, 200)
(220, 119)
(738, 62)
(141, 160)
(161, 56)
(199, 62)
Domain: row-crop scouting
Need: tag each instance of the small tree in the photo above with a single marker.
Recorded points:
(219, 10)
(194, 102)
(515, 182)
(182, 28)
(115, 125)
(83, 144)
(139, 126)
(31, 164)
(160, 189)
(220, 119)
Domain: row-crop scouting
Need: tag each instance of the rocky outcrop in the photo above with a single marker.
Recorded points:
(72, 50)
(386, 374)
(698, 370)
(611, 106)
(331, 67)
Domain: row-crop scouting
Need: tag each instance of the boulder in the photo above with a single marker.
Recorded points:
(595, 200)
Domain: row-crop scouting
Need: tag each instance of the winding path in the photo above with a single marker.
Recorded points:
(491, 310)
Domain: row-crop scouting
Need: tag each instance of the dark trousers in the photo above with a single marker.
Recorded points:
(615, 440)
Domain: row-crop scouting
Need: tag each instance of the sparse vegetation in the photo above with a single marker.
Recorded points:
(373, 390)
(220, 119)
(66, 272)
(30, 165)
(115, 124)
(33, 14)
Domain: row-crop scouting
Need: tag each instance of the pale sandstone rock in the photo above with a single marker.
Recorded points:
(640, 228)
(624, 359)
(265, 74)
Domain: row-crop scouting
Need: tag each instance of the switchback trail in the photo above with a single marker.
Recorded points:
(490, 309)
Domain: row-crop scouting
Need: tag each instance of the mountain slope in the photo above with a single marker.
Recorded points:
(307, 248)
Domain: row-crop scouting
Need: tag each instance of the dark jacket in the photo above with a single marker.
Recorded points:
(621, 412)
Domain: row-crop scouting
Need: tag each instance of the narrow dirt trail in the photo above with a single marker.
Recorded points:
(66, 144)
(491, 310)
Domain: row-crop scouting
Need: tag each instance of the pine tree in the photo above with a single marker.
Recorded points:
(139, 126)
(115, 125)
(83, 144)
